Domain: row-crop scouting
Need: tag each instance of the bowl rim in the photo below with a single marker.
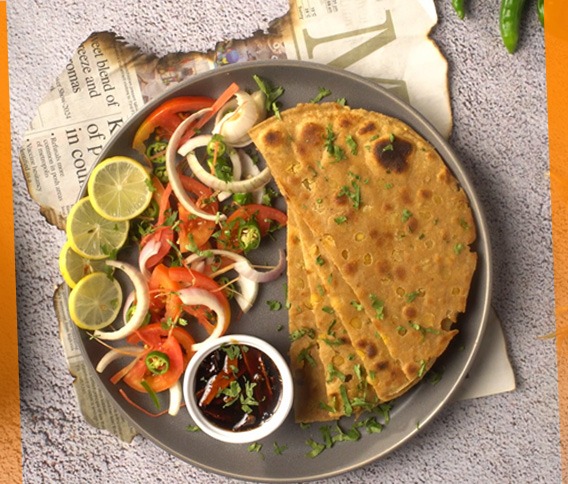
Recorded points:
(283, 406)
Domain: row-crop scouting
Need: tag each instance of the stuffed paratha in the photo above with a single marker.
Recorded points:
(383, 208)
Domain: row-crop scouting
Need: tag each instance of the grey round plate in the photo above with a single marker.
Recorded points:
(409, 413)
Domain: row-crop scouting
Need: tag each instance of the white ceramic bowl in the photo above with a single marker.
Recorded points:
(281, 410)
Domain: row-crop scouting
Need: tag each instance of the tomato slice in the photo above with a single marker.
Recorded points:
(167, 118)
(264, 217)
(163, 295)
(153, 334)
(190, 278)
(194, 232)
(158, 382)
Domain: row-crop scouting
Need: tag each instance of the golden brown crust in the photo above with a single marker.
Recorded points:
(388, 216)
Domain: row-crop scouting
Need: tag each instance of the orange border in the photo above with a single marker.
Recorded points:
(10, 435)
(556, 39)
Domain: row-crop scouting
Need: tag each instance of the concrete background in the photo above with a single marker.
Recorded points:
(500, 133)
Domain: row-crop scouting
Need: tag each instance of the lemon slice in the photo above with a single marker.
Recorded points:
(74, 267)
(92, 236)
(119, 188)
(95, 301)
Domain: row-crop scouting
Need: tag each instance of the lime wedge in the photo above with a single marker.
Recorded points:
(119, 188)
(74, 267)
(95, 301)
(93, 236)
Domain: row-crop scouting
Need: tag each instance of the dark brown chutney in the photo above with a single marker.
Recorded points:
(237, 387)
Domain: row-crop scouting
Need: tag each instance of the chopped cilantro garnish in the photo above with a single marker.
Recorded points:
(322, 93)
(347, 407)
(390, 146)
(254, 447)
(378, 306)
(422, 368)
(274, 305)
(330, 146)
(464, 224)
(350, 435)
(406, 214)
(353, 193)
(333, 342)
(316, 447)
(458, 248)
(372, 426)
(326, 407)
(234, 351)
(411, 296)
(435, 377)
(299, 333)
(357, 305)
(333, 373)
(352, 144)
(272, 94)
(305, 355)
(340, 220)
(279, 449)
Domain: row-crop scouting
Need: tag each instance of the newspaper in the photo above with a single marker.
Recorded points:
(107, 80)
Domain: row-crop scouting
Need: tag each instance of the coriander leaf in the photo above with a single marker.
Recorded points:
(272, 94)
(322, 93)
(352, 144)
(274, 305)
(316, 447)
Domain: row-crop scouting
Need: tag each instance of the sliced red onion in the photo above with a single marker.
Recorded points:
(176, 398)
(238, 186)
(235, 125)
(115, 354)
(250, 169)
(203, 140)
(142, 303)
(193, 296)
(247, 288)
(193, 143)
(246, 270)
(127, 304)
(171, 169)
(149, 250)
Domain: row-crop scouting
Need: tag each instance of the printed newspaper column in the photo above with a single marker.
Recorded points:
(89, 102)
(386, 42)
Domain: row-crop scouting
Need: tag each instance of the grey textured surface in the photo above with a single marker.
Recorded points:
(500, 132)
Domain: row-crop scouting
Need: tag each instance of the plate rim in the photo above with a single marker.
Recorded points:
(455, 165)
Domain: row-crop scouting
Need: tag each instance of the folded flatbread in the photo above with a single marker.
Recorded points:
(388, 220)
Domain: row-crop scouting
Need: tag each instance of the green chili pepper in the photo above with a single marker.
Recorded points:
(242, 198)
(540, 10)
(509, 22)
(459, 7)
(218, 144)
(157, 362)
(249, 236)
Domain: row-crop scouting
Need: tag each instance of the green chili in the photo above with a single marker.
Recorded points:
(509, 22)
(216, 144)
(459, 7)
(249, 236)
(157, 362)
(242, 198)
